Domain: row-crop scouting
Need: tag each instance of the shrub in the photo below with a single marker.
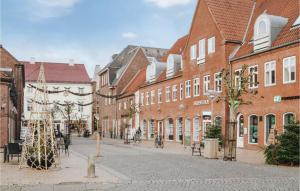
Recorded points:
(286, 148)
(214, 132)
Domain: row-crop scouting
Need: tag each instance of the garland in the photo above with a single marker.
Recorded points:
(61, 104)
(77, 94)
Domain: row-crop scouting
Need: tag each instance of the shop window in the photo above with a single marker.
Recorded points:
(170, 126)
(289, 118)
(253, 129)
(269, 125)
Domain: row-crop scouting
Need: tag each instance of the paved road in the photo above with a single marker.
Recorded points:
(151, 169)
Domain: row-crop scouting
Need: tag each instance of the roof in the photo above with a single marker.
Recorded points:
(135, 83)
(57, 72)
(231, 16)
(284, 8)
(177, 48)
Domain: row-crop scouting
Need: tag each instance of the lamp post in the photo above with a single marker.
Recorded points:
(212, 96)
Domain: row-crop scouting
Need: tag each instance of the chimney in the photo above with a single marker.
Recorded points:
(71, 62)
(32, 60)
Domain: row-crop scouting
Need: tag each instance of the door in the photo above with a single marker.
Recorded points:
(179, 130)
(187, 132)
(196, 129)
(240, 131)
(160, 130)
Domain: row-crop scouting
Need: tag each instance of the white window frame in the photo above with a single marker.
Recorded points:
(252, 84)
(193, 52)
(202, 51)
(152, 97)
(181, 91)
(211, 45)
(159, 95)
(196, 90)
(250, 143)
(237, 78)
(188, 89)
(217, 79)
(290, 64)
(168, 94)
(147, 98)
(270, 69)
(142, 99)
(174, 92)
(206, 84)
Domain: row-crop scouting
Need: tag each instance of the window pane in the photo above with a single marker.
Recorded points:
(253, 134)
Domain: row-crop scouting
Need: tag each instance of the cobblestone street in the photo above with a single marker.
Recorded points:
(156, 169)
(139, 167)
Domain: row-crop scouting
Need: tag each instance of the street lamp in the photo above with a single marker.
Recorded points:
(212, 96)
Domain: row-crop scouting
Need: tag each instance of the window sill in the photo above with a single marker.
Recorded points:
(271, 85)
(290, 82)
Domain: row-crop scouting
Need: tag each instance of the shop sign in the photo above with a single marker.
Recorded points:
(201, 102)
(277, 99)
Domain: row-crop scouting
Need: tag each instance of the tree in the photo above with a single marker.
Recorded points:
(285, 150)
(236, 87)
(214, 132)
(66, 111)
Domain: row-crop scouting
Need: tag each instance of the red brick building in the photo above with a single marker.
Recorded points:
(115, 77)
(161, 105)
(12, 83)
(271, 50)
(223, 35)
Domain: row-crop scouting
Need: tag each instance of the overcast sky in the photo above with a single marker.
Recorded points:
(90, 31)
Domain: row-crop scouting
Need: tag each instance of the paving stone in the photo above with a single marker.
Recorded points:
(38, 187)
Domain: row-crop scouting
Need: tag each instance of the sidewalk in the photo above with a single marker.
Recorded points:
(72, 171)
(243, 155)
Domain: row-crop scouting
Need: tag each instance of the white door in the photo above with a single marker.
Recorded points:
(196, 129)
(240, 131)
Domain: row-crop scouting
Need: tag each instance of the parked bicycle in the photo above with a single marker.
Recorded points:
(159, 142)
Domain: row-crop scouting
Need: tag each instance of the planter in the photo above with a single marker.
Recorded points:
(211, 148)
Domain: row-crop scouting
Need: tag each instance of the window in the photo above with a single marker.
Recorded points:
(270, 73)
(29, 106)
(253, 72)
(196, 87)
(253, 128)
(142, 99)
(181, 91)
(206, 84)
(80, 106)
(168, 94)
(211, 45)
(109, 99)
(174, 92)
(289, 118)
(105, 101)
(29, 89)
(120, 106)
(297, 22)
(170, 130)
(125, 105)
(218, 82)
(262, 28)
(147, 98)
(152, 97)
(289, 70)
(193, 52)
(269, 125)
(218, 121)
(55, 89)
(201, 58)
(237, 78)
(151, 126)
(188, 88)
(159, 95)
(80, 90)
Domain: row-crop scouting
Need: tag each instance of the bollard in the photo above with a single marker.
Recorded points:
(91, 167)
(98, 146)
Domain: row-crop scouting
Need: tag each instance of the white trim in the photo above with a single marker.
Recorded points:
(208, 84)
(265, 128)
(215, 80)
(270, 70)
(193, 52)
(283, 73)
(255, 87)
(190, 88)
(249, 129)
(211, 41)
(194, 87)
(168, 92)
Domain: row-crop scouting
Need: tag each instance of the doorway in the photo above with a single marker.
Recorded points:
(240, 131)
(160, 129)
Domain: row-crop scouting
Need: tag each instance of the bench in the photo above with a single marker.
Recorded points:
(12, 150)
(196, 148)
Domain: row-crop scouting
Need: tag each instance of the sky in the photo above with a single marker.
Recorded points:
(90, 31)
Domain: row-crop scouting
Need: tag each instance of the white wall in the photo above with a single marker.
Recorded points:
(62, 97)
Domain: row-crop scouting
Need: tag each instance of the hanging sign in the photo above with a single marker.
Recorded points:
(277, 99)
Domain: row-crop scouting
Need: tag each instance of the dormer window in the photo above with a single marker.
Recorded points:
(266, 29)
(174, 64)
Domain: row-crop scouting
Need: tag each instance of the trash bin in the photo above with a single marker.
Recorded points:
(211, 148)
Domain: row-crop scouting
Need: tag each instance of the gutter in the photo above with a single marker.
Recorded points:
(267, 50)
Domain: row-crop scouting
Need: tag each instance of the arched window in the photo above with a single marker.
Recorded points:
(269, 126)
(288, 118)
(262, 28)
(253, 129)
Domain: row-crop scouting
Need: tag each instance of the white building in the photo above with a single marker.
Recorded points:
(65, 77)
